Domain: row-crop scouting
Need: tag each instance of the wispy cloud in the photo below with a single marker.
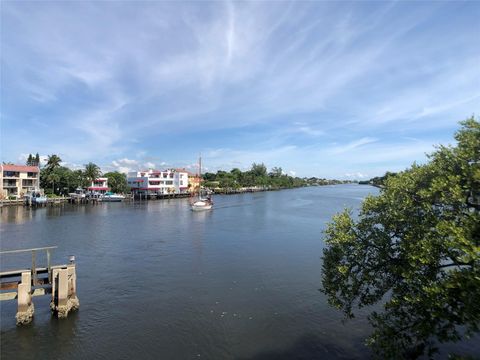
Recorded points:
(315, 87)
(351, 145)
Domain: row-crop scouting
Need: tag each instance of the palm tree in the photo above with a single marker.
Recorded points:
(53, 162)
(92, 172)
(53, 177)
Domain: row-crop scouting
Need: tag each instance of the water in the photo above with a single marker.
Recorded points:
(156, 280)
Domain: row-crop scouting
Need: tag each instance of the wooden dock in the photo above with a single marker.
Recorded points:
(57, 280)
(50, 202)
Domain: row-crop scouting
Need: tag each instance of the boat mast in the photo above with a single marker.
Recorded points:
(200, 167)
(199, 175)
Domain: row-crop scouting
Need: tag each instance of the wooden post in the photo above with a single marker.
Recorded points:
(34, 267)
(25, 307)
(49, 267)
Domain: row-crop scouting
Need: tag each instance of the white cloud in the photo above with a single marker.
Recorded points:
(124, 165)
(357, 175)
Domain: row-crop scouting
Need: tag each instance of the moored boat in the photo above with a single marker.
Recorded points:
(111, 197)
(34, 198)
(78, 194)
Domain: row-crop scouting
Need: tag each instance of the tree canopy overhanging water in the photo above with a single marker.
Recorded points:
(416, 249)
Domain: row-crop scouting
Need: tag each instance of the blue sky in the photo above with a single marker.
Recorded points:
(328, 89)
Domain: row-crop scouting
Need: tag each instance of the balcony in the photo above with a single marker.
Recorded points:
(28, 183)
(11, 174)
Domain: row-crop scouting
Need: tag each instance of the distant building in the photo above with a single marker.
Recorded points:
(155, 182)
(100, 185)
(16, 180)
(193, 182)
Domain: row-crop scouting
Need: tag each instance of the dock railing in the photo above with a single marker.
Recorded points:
(58, 280)
(47, 249)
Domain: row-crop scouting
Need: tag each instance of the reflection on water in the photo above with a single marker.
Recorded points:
(157, 280)
(16, 214)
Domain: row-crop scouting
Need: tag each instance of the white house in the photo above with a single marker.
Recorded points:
(155, 182)
(100, 185)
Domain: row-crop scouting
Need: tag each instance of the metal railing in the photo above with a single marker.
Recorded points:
(34, 258)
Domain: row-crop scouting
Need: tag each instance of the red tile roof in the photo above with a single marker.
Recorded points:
(20, 168)
(185, 171)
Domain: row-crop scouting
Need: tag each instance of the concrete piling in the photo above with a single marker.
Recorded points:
(60, 281)
(64, 296)
(25, 307)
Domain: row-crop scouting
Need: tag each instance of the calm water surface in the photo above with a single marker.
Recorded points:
(158, 281)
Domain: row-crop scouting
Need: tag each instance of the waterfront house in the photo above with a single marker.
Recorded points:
(155, 182)
(193, 182)
(100, 186)
(17, 180)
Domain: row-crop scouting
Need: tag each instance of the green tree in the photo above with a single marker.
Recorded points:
(415, 249)
(92, 172)
(227, 181)
(77, 179)
(47, 176)
(37, 160)
(53, 162)
(53, 178)
(209, 176)
(276, 172)
(259, 170)
(29, 160)
(117, 182)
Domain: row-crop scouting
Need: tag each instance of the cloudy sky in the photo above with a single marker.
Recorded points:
(329, 89)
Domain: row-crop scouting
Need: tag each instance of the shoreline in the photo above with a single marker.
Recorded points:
(136, 197)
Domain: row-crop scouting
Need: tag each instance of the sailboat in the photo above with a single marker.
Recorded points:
(199, 202)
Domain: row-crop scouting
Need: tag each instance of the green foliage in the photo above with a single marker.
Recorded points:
(92, 171)
(52, 174)
(378, 181)
(415, 249)
(259, 170)
(56, 179)
(77, 179)
(29, 160)
(117, 182)
(33, 160)
(53, 162)
(256, 176)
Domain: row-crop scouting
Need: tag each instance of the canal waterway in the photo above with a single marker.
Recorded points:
(158, 281)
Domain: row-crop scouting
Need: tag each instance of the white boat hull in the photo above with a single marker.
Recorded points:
(201, 205)
(112, 198)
